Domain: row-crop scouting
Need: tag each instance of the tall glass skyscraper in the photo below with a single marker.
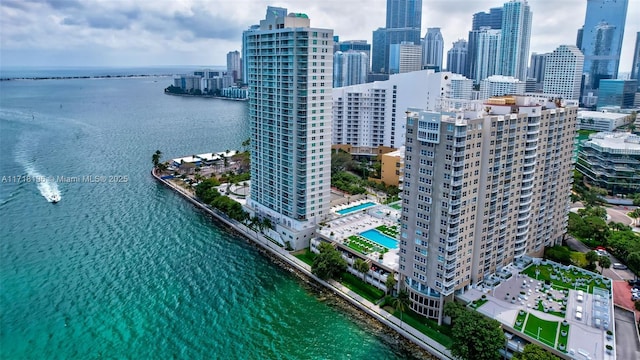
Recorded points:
(432, 48)
(290, 67)
(601, 41)
(404, 14)
(457, 57)
(516, 36)
(635, 66)
(490, 20)
(404, 20)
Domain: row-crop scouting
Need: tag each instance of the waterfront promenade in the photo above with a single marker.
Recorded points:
(373, 310)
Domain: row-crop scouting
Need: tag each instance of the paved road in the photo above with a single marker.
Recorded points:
(610, 273)
(627, 343)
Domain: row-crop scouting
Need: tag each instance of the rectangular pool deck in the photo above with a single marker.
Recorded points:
(351, 209)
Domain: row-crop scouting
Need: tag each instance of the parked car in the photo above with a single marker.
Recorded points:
(602, 252)
(619, 266)
(635, 297)
(633, 282)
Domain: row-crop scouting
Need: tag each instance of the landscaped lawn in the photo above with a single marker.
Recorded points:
(477, 303)
(547, 269)
(441, 334)
(391, 231)
(364, 246)
(547, 329)
(307, 256)
(562, 340)
(522, 316)
(396, 206)
(361, 288)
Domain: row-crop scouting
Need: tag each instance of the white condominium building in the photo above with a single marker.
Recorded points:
(374, 114)
(290, 66)
(481, 188)
(498, 85)
(563, 72)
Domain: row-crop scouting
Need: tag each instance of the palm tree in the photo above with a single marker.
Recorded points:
(266, 223)
(155, 158)
(401, 303)
(361, 266)
(390, 283)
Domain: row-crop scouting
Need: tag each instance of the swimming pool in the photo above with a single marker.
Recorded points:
(355, 208)
(380, 238)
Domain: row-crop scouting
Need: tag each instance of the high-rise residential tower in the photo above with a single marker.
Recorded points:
(481, 20)
(563, 72)
(457, 57)
(487, 61)
(355, 45)
(289, 76)
(482, 188)
(432, 48)
(350, 68)
(404, 21)
(234, 65)
(601, 41)
(516, 36)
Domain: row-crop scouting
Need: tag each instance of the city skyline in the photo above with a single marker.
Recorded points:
(86, 33)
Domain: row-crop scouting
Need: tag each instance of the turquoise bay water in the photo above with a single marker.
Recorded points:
(380, 238)
(130, 269)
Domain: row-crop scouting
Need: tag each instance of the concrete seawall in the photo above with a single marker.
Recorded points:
(285, 259)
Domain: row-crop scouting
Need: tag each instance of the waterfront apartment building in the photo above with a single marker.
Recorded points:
(290, 66)
(370, 115)
(457, 57)
(432, 48)
(601, 40)
(516, 36)
(234, 65)
(498, 85)
(482, 187)
(563, 72)
(611, 161)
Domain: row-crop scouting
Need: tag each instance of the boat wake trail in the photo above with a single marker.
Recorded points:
(46, 185)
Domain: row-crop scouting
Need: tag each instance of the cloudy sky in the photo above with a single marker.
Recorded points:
(201, 32)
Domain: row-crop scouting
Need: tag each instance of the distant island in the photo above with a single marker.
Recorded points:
(225, 94)
(82, 77)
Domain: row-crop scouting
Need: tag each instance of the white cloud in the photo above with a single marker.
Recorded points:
(202, 32)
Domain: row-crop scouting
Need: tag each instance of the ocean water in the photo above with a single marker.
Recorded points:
(122, 267)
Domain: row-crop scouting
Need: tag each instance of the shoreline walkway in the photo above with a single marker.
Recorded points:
(431, 346)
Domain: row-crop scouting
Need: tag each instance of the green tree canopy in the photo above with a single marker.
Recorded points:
(475, 337)
(361, 266)
(340, 161)
(604, 262)
(401, 302)
(390, 283)
(633, 262)
(328, 263)
(534, 352)
(591, 257)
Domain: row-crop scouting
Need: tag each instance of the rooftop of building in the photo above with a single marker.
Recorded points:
(503, 79)
(352, 220)
(562, 307)
(600, 114)
(616, 140)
